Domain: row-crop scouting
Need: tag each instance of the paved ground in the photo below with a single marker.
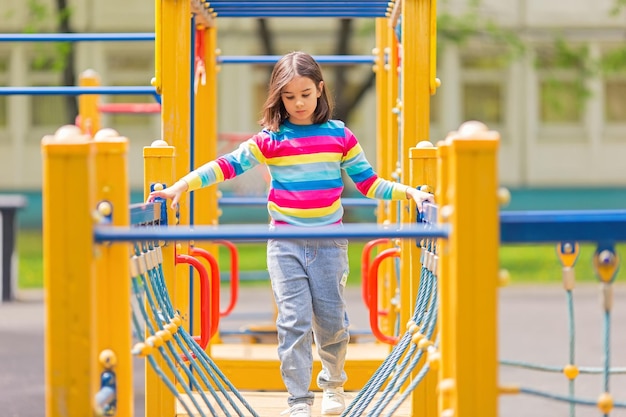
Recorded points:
(533, 328)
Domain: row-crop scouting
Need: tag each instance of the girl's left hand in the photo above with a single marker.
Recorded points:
(419, 197)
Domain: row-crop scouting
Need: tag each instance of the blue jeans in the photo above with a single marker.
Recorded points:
(308, 279)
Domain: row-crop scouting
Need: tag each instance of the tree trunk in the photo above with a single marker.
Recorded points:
(69, 75)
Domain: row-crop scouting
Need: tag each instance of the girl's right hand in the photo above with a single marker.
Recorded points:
(174, 192)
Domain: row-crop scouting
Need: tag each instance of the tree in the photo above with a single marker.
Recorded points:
(69, 75)
(64, 57)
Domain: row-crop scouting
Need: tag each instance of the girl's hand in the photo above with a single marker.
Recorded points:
(419, 197)
(174, 192)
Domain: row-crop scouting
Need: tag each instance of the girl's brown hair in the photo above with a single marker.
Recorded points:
(286, 69)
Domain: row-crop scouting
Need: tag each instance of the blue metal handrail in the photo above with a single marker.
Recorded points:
(563, 225)
(257, 232)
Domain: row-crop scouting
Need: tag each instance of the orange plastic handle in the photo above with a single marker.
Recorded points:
(205, 327)
(372, 284)
(365, 266)
(213, 309)
(234, 276)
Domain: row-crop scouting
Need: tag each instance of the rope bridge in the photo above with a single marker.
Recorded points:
(186, 367)
(194, 370)
(88, 347)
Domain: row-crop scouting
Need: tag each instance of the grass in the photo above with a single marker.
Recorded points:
(525, 263)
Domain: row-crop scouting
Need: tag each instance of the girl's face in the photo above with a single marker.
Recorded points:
(299, 97)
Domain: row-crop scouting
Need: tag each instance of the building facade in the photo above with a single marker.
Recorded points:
(557, 128)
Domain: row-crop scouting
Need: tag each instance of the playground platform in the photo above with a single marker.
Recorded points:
(533, 328)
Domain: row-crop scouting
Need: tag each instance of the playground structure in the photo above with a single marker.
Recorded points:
(84, 176)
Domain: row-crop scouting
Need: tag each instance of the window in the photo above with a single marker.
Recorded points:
(559, 101)
(615, 100)
(129, 68)
(483, 87)
(483, 101)
(614, 66)
(47, 111)
(562, 90)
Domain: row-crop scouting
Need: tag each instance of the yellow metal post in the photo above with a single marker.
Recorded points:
(68, 203)
(384, 144)
(112, 283)
(391, 156)
(415, 78)
(415, 117)
(447, 306)
(159, 169)
(174, 72)
(473, 270)
(89, 115)
(382, 117)
(205, 202)
(423, 171)
(206, 132)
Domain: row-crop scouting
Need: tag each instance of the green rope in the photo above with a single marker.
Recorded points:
(395, 384)
(607, 349)
(156, 296)
(162, 351)
(209, 366)
(157, 369)
(559, 369)
(390, 365)
(572, 348)
(557, 397)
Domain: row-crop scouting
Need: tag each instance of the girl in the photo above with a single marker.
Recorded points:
(305, 151)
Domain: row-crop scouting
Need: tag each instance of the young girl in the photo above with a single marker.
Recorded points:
(305, 152)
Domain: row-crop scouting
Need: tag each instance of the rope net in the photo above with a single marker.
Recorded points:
(404, 362)
(606, 264)
(198, 376)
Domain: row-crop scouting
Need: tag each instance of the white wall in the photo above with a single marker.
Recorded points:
(531, 154)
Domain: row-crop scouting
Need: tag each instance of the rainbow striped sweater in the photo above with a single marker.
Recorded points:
(305, 163)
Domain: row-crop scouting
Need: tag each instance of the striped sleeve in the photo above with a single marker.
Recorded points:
(228, 166)
(365, 178)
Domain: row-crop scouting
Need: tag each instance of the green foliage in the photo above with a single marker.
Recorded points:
(575, 58)
(617, 7)
(540, 263)
(459, 28)
(614, 61)
(38, 13)
(40, 16)
(30, 261)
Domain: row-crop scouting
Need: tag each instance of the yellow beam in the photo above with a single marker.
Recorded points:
(174, 40)
(89, 115)
(415, 128)
(447, 306)
(385, 167)
(175, 57)
(112, 283)
(205, 139)
(206, 131)
(68, 202)
(159, 169)
(473, 269)
(423, 171)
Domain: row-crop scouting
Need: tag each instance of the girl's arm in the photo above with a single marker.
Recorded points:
(174, 192)
(419, 197)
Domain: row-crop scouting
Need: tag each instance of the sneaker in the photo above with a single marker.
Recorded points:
(298, 410)
(333, 401)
